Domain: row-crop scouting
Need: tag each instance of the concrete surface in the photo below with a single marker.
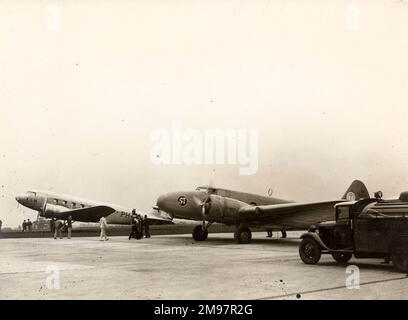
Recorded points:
(176, 267)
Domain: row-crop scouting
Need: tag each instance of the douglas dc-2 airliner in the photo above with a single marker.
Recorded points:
(246, 210)
(53, 205)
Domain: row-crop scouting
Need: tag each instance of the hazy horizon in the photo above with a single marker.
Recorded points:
(80, 97)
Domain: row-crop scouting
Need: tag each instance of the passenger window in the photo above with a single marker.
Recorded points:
(82, 206)
(56, 201)
(73, 204)
(64, 202)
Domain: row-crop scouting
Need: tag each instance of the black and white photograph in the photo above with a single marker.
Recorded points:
(186, 150)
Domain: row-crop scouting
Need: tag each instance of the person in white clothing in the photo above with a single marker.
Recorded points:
(103, 225)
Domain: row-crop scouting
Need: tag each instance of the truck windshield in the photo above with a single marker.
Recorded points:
(343, 213)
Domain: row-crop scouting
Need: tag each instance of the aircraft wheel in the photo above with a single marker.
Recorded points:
(399, 257)
(243, 235)
(199, 234)
(310, 251)
(342, 257)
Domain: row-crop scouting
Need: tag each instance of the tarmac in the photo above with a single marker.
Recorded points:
(176, 267)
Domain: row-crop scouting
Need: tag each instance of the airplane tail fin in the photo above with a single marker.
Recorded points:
(356, 191)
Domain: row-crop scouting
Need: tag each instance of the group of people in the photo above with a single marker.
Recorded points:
(140, 226)
(57, 226)
(27, 225)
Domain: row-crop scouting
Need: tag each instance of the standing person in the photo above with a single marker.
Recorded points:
(1, 223)
(52, 225)
(69, 227)
(146, 226)
(29, 225)
(139, 231)
(134, 225)
(284, 235)
(269, 232)
(24, 225)
(58, 227)
(103, 225)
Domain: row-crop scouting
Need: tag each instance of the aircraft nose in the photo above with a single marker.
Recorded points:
(18, 199)
(162, 202)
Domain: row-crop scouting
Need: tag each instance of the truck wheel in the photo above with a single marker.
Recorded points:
(199, 234)
(399, 257)
(342, 257)
(310, 251)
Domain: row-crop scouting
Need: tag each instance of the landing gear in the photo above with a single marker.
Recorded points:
(243, 234)
(200, 233)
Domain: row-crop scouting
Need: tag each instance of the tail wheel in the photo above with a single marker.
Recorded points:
(199, 234)
(243, 235)
(399, 257)
(342, 257)
(310, 251)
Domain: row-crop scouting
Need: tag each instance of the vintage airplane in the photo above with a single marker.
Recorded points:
(246, 210)
(53, 205)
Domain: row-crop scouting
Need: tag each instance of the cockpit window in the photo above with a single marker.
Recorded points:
(31, 193)
(207, 189)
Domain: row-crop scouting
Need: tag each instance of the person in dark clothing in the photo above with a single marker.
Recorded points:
(52, 225)
(134, 225)
(69, 227)
(1, 223)
(146, 227)
(269, 232)
(139, 227)
(29, 225)
(284, 235)
(24, 226)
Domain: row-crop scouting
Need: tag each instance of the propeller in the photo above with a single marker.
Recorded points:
(205, 206)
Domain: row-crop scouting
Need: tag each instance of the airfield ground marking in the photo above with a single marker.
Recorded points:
(332, 288)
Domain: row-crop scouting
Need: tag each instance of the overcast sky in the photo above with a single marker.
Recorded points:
(84, 83)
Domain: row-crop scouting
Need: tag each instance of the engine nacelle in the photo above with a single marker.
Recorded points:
(222, 209)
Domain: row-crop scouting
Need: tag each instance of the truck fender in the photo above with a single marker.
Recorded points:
(315, 237)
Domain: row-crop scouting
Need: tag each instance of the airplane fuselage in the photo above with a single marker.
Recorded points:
(50, 204)
(188, 204)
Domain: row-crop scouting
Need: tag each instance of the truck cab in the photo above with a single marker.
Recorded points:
(369, 228)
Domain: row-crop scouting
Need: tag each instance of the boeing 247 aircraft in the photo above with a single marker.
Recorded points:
(53, 205)
(246, 210)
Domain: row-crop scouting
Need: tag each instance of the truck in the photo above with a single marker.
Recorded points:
(366, 228)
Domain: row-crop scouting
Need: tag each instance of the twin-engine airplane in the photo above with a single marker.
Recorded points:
(246, 210)
(53, 205)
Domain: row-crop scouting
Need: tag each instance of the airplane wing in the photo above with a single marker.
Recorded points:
(158, 218)
(92, 214)
(290, 215)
